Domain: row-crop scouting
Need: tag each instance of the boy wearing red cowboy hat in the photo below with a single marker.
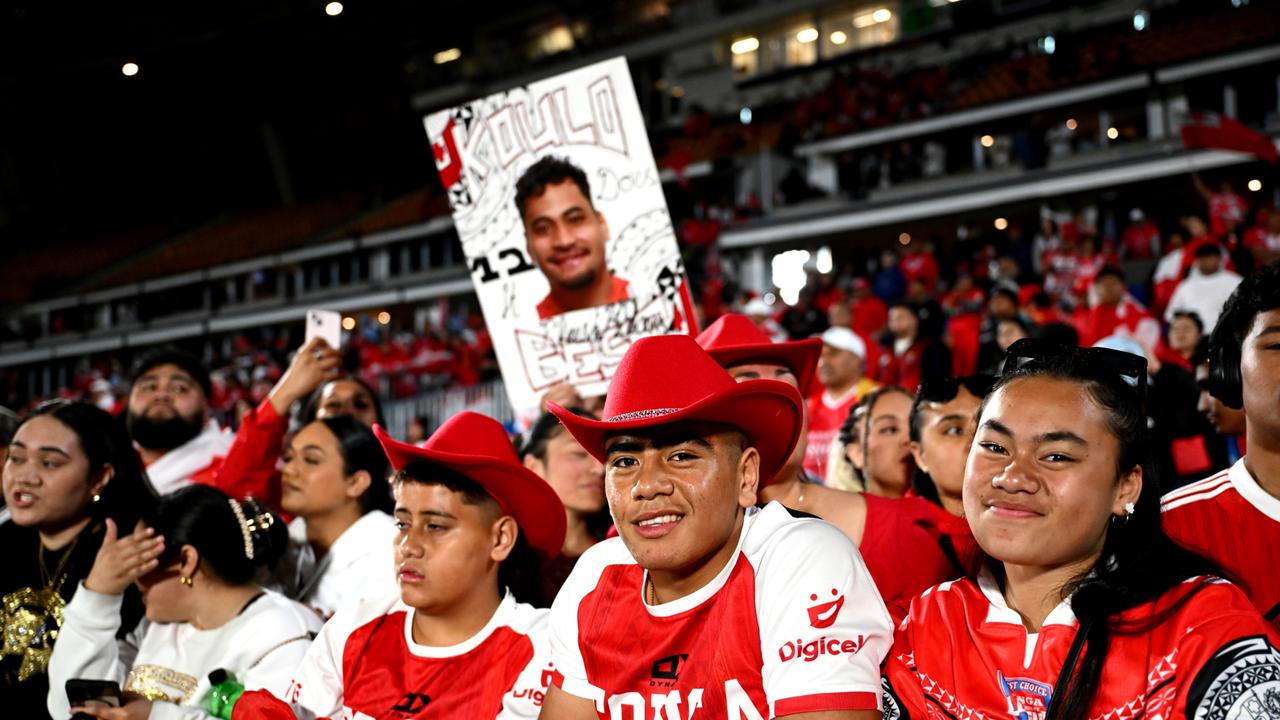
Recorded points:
(456, 643)
(706, 603)
(882, 530)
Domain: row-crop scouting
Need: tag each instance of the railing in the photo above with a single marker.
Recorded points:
(487, 398)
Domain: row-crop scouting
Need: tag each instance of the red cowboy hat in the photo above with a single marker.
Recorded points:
(735, 340)
(668, 379)
(476, 447)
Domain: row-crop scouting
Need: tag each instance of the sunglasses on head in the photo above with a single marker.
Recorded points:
(946, 389)
(1093, 360)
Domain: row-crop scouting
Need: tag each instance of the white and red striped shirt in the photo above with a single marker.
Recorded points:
(1231, 520)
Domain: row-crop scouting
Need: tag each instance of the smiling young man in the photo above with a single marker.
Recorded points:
(1233, 517)
(459, 640)
(707, 604)
(567, 237)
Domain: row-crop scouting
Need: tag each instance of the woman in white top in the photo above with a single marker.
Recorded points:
(341, 540)
(194, 560)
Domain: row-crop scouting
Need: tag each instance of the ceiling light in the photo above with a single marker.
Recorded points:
(839, 38)
(807, 35)
(1001, 223)
(445, 56)
(987, 141)
(1255, 185)
(1112, 133)
(745, 45)
(1071, 123)
(333, 9)
(129, 69)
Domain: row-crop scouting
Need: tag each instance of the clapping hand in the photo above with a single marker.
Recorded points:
(122, 560)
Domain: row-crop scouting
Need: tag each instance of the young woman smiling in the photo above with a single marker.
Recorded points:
(1084, 607)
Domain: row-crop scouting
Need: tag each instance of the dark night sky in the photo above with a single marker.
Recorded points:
(86, 151)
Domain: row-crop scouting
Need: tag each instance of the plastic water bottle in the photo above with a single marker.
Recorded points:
(224, 691)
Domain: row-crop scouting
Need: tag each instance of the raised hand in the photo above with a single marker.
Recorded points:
(121, 560)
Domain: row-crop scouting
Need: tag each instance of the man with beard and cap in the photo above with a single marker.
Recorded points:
(463, 638)
(883, 532)
(168, 419)
(707, 603)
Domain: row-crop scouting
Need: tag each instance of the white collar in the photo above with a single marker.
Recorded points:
(498, 619)
(1000, 612)
(1252, 492)
(706, 592)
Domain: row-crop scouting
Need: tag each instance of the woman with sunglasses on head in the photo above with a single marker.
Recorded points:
(194, 559)
(1084, 607)
(71, 469)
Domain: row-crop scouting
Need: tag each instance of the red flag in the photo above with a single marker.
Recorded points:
(1211, 130)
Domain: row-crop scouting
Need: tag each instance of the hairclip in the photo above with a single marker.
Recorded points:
(248, 527)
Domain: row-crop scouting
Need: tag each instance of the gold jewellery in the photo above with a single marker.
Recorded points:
(33, 616)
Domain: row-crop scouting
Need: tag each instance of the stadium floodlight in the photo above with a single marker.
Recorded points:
(348, 323)
(904, 239)
(129, 69)
(987, 141)
(333, 9)
(745, 45)
(445, 56)
(1141, 19)
(744, 115)
(384, 318)
(807, 35)
(839, 37)
(1255, 185)
(1001, 223)
(1072, 124)
(882, 15)
(875, 17)
(1113, 134)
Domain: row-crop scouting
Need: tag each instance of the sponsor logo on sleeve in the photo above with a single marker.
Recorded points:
(1025, 699)
(1241, 680)
(824, 614)
(814, 649)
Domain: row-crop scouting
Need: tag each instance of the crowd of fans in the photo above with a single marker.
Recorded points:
(952, 462)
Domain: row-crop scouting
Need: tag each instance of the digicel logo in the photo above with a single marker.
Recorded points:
(823, 615)
(814, 649)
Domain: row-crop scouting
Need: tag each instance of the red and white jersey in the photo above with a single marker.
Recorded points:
(963, 653)
(196, 461)
(792, 624)
(826, 415)
(364, 665)
(1231, 520)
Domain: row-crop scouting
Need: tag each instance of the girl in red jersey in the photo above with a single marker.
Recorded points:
(1084, 607)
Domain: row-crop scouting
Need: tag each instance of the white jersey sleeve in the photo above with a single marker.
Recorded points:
(824, 629)
(524, 699)
(317, 686)
(566, 651)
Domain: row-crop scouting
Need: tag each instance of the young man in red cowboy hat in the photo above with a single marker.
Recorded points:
(883, 531)
(460, 640)
(706, 603)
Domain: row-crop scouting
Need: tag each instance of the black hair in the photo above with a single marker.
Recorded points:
(1207, 250)
(1139, 562)
(519, 573)
(1059, 333)
(940, 392)
(1257, 293)
(128, 495)
(546, 428)
(1110, 271)
(550, 170)
(1192, 316)
(361, 451)
(307, 413)
(856, 424)
(1008, 292)
(206, 518)
(168, 355)
(1019, 321)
